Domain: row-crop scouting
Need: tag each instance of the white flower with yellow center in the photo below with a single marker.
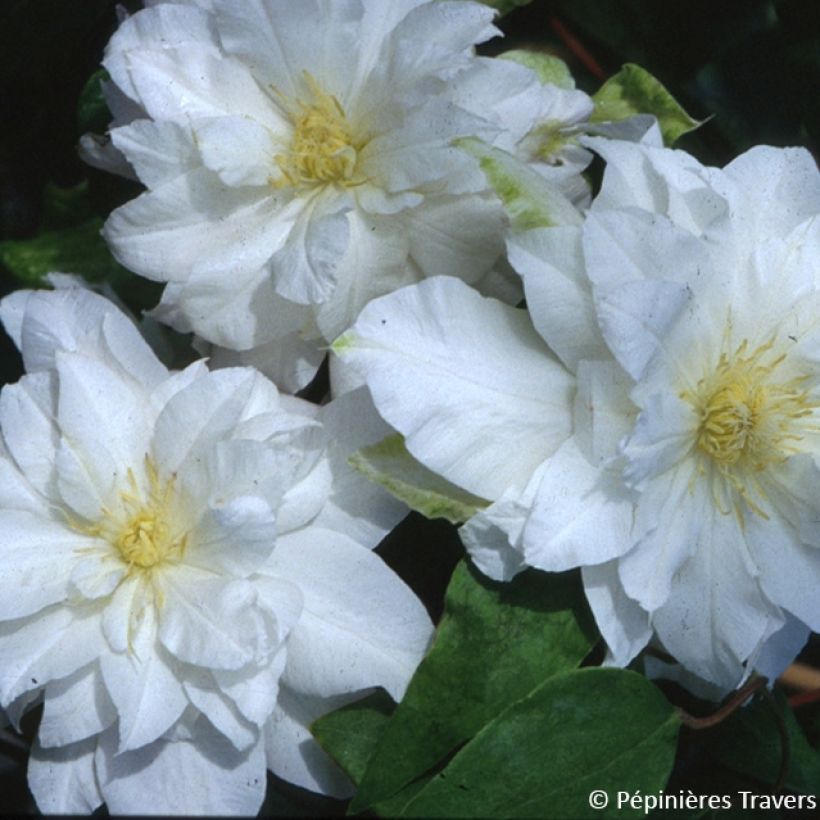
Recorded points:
(299, 162)
(674, 455)
(185, 573)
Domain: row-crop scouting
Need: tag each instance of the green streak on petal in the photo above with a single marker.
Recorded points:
(390, 465)
(633, 90)
(529, 199)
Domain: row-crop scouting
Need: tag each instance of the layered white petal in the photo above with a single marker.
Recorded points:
(361, 626)
(206, 777)
(431, 350)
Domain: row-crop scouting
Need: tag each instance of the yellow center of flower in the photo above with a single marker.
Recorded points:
(147, 536)
(142, 529)
(322, 148)
(748, 418)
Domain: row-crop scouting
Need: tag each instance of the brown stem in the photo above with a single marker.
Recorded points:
(578, 49)
(734, 701)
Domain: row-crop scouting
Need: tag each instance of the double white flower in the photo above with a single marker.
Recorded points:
(298, 160)
(671, 449)
(185, 574)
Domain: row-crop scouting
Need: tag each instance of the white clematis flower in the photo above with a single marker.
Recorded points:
(298, 160)
(681, 473)
(185, 573)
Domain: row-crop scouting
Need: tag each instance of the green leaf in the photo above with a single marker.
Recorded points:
(634, 90)
(92, 110)
(551, 70)
(749, 742)
(350, 734)
(496, 643)
(592, 729)
(505, 6)
(530, 200)
(390, 465)
(73, 250)
(65, 207)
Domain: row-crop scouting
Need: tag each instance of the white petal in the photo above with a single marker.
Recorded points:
(466, 380)
(143, 687)
(168, 24)
(104, 424)
(203, 413)
(290, 362)
(789, 569)
(361, 626)
(279, 41)
(27, 411)
(63, 780)
(221, 713)
(208, 621)
(581, 514)
(623, 624)
(205, 776)
(603, 412)
(304, 269)
(774, 190)
(458, 236)
(675, 512)
(559, 296)
(716, 614)
(664, 434)
(36, 562)
(77, 319)
(234, 539)
(196, 221)
(493, 536)
(189, 82)
(75, 708)
(356, 507)
(52, 645)
(237, 148)
(293, 754)
(159, 151)
(780, 649)
(255, 690)
(375, 263)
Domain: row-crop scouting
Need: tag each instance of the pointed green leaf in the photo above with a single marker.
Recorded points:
(551, 70)
(389, 464)
(80, 249)
(593, 729)
(494, 645)
(749, 742)
(530, 200)
(92, 110)
(65, 207)
(633, 90)
(350, 734)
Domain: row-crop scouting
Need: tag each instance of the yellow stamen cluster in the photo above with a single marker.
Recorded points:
(147, 537)
(748, 420)
(322, 148)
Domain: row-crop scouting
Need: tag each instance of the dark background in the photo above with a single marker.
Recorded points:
(752, 67)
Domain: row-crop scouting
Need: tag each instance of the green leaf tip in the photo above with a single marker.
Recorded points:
(632, 91)
(389, 464)
(80, 249)
(530, 200)
(551, 70)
